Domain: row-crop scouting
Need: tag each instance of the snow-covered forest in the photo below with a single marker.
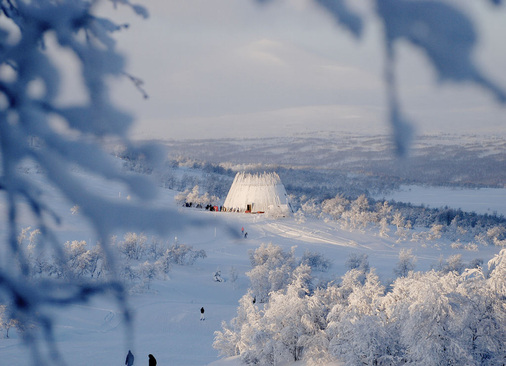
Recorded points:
(451, 316)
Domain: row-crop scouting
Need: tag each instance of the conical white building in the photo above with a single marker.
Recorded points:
(257, 193)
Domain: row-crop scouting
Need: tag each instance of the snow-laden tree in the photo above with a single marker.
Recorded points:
(283, 317)
(435, 232)
(316, 261)
(272, 268)
(180, 198)
(237, 337)
(289, 328)
(452, 264)
(335, 207)
(482, 318)
(402, 226)
(497, 267)
(149, 271)
(133, 245)
(6, 321)
(426, 307)
(497, 235)
(358, 216)
(359, 262)
(357, 335)
(311, 208)
(81, 261)
(406, 263)
(383, 218)
(193, 196)
(38, 126)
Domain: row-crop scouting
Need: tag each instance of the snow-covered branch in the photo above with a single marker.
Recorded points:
(38, 126)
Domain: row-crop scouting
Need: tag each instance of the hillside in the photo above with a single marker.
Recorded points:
(167, 314)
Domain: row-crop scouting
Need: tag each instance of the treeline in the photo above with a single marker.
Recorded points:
(439, 317)
(408, 222)
(313, 192)
(443, 160)
(442, 165)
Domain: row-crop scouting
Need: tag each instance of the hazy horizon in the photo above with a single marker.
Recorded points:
(236, 69)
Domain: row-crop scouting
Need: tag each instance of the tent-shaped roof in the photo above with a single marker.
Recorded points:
(257, 193)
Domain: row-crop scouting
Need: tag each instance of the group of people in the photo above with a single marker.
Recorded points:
(130, 359)
(208, 207)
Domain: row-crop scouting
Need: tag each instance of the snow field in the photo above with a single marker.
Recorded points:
(482, 201)
(166, 317)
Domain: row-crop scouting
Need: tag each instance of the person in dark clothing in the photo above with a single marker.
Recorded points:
(245, 235)
(152, 360)
(202, 317)
(129, 359)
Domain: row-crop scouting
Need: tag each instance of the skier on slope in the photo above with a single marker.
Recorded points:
(152, 360)
(129, 359)
(202, 317)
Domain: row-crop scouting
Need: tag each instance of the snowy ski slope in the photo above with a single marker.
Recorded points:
(167, 316)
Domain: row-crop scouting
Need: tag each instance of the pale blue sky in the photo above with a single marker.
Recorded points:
(231, 68)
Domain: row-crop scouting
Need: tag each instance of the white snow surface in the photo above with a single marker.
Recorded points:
(167, 317)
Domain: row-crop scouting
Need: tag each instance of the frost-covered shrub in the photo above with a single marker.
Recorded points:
(358, 216)
(183, 254)
(6, 321)
(154, 249)
(335, 207)
(316, 261)
(271, 255)
(193, 198)
(148, 271)
(358, 261)
(406, 263)
(163, 264)
(139, 263)
(129, 273)
(81, 261)
(454, 264)
(132, 247)
(311, 208)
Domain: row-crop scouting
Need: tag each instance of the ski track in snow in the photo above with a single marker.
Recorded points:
(315, 236)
